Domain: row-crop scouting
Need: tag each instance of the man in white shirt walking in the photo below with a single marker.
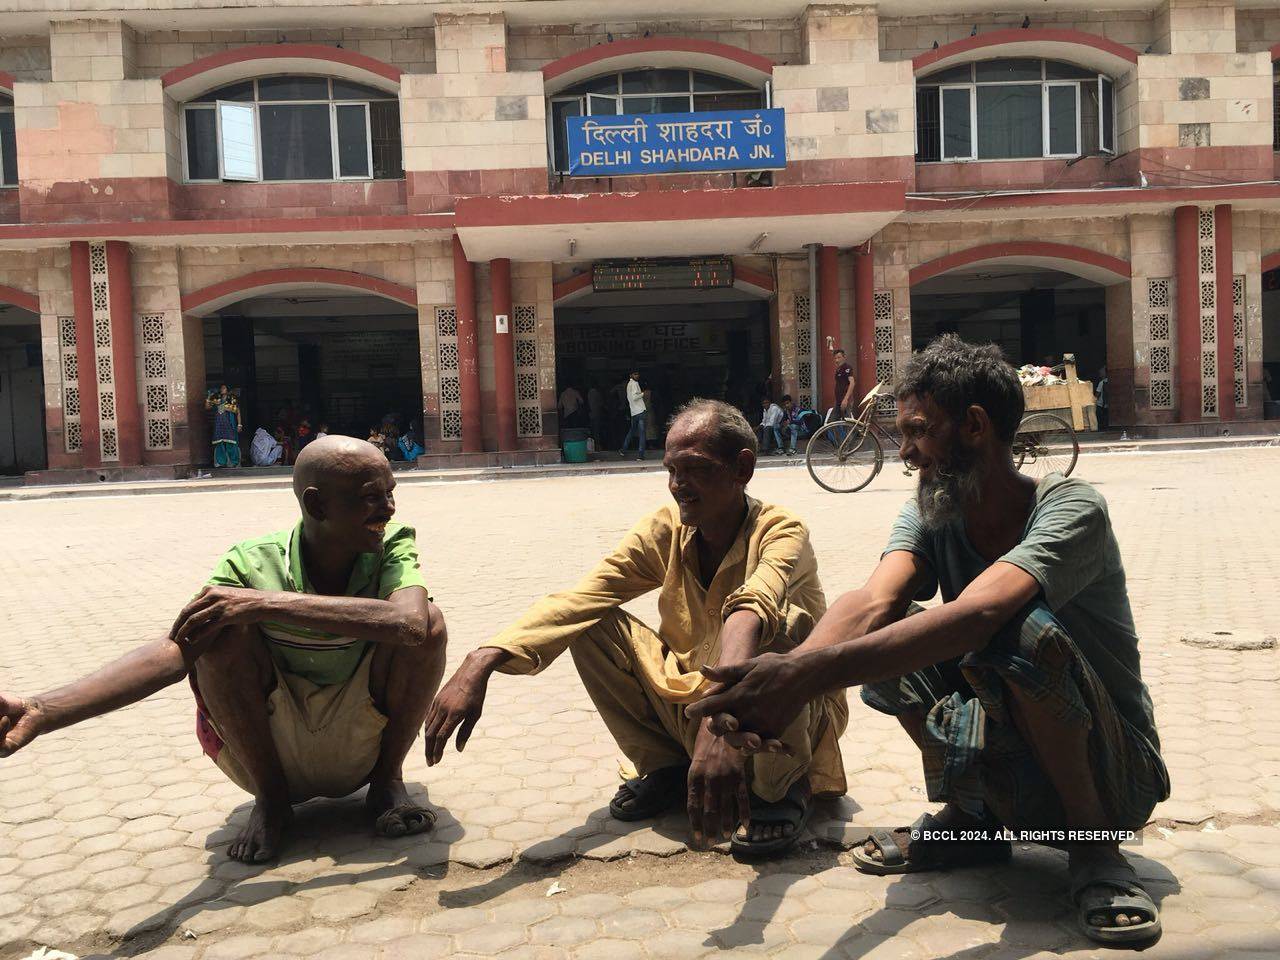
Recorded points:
(635, 401)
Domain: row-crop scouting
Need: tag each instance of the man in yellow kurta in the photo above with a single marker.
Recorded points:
(736, 577)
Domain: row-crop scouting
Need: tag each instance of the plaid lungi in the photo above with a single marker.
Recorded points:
(974, 755)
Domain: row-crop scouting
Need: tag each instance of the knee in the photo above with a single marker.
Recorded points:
(236, 653)
(430, 635)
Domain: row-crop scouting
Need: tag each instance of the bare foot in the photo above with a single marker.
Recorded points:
(262, 837)
(394, 814)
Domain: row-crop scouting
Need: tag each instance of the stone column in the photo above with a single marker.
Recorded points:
(864, 318)
(1224, 262)
(464, 281)
(504, 356)
(123, 359)
(86, 361)
(1187, 374)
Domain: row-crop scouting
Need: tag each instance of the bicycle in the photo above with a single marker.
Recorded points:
(845, 455)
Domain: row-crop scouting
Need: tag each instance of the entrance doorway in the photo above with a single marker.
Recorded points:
(699, 343)
(1034, 316)
(346, 363)
(22, 437)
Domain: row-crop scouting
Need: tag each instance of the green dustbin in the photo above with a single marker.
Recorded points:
(575, 451)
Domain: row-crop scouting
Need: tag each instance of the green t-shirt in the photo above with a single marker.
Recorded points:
(1069, 547)
(274, 562)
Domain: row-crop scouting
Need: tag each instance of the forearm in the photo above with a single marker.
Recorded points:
(379, 621)
(739, 637)
(136, 675)
(932, 636)
(853, 615)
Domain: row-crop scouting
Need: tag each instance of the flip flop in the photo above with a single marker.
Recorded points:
(918, 855)
(651, 795)
(794, 809)
(1111, 888)
(410, 818)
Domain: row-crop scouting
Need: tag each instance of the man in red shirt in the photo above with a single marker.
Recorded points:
(844, 383)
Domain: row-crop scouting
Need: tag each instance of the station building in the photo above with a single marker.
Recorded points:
(350, 210)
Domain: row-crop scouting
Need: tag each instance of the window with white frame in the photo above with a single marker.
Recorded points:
(1014, 109)
(646, 91)
(292, 128)
(8, 145)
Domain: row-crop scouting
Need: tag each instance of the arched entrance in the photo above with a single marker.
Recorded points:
(337, 350)
(1037, 301)
(22, 436)
(685, 343)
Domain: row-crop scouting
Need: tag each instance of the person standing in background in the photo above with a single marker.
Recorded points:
(844, 382)
(637, 407)
(1100, 398)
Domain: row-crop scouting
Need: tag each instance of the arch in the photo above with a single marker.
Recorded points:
(1099, 267)
(1075, 46)
(6, 82)
(290, 280)
(721, 58)
(1271, 262)
(243, 63)
(20, 298)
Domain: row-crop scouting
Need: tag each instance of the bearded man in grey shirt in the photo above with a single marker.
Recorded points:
(1023, 690)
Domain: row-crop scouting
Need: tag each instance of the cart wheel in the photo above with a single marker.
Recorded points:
(843, 457)
(1045, 444)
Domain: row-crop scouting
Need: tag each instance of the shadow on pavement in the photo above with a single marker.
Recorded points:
(334, 836)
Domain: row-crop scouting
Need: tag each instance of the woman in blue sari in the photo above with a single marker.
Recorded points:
(226, 427)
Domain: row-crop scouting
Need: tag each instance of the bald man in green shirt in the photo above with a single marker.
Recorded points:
(313, 653)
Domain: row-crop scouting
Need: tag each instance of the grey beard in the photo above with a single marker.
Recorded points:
(943, 497)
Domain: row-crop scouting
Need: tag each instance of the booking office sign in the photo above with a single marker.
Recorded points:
(630, 144)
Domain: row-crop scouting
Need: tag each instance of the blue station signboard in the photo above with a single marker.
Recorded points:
(630, 144)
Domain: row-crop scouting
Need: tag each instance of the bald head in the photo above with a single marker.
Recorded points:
(331, 460)
(721, 428)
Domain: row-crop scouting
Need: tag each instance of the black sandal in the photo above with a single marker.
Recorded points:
(793, 810)
(1111, 888)
(915, 855)
(651, 795)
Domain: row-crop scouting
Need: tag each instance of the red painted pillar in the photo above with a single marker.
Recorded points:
(864, 319)
(123, 359)
(1223, 257)
(504, 352)
(86, 362)
(828, 320)
(1186, 231)
(464, 283)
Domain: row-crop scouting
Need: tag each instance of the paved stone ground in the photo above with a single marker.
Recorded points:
(113, 835)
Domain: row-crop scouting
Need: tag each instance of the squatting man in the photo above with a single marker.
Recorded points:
(1023, 690)
(313, 654)
(735, 577)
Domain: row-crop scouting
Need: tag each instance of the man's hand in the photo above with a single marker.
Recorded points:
(752, 702)
(458, 704)
(718, 796)
(21, 721)
(215, 608)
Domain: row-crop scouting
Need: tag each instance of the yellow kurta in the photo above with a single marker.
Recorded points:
(770, 570)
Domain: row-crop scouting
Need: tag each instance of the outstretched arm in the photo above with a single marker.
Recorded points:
(136, 675)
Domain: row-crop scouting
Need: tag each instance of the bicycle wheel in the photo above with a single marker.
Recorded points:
(1045, 444)
(843, 458)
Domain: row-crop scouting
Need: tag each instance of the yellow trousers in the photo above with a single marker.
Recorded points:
(654, 733)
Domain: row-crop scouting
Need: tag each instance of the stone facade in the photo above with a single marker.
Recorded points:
(99, 143)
